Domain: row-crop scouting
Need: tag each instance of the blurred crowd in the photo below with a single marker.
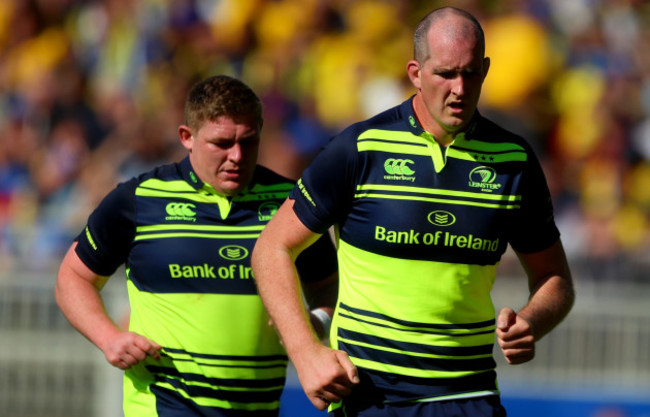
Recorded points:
(92, 92)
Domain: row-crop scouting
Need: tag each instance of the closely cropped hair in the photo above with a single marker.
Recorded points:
(221, 95)
(420, 44)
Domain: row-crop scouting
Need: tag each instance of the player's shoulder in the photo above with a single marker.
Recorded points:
(165, 172)
(389, 119)
(487, 130)
(267, 177)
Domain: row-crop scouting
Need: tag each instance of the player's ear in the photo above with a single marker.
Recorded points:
(486, 66)
(185, 135)
(414, 71)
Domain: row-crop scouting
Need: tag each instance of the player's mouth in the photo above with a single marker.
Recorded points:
(456, 107)
(232, 174)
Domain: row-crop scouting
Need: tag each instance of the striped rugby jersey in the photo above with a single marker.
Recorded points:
(187, 250)
(421, 229)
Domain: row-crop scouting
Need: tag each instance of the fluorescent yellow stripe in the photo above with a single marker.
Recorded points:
(257, 188)
(480, 146)
(173, 186)
(404, 188)
(393, 148)
(193, 196)
(413, 372)
(392, 135)
(200, 235)
(487, 157)
(233, 229)
(262, 197)
(439, 200)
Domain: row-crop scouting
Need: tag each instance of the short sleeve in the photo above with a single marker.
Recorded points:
(105, 242)
(324, 193)
(533, 227)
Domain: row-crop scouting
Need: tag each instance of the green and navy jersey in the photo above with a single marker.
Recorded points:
(186, 250)
(421, 229)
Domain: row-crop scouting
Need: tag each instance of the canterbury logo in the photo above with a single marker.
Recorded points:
(398, 166)
(178, 211)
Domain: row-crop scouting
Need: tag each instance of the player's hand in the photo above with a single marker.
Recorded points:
(326, 375)
(127, 349)
(515, 337)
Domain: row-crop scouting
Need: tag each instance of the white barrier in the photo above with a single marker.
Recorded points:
(48, 370)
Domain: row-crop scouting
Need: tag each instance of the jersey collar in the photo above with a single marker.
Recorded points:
(414, 125)
(188, 174)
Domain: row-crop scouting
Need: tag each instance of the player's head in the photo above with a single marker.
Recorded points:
(448, 69)
(421, 50)
(223, 122)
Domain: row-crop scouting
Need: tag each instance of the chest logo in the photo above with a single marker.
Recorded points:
(441, 218)
(233, 252)
(181, 211)
(483, 178)
(267, 210)
(399, 169)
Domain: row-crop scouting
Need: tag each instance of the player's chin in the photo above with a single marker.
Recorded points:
(455, 125)
(231, 188)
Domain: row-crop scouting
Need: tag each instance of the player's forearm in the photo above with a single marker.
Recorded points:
(77, 293)
(279, 288)
(549, 304)
(82, 305)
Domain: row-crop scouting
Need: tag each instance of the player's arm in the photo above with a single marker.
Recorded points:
(77, 293)
(325, 374)
(551, 298)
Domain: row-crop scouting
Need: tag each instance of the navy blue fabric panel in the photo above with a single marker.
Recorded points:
(112, 228)
(488, 406)
(171, 404)
(533, 227)
(377, 386)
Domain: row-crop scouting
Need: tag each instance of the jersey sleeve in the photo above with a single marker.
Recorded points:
(105, 242)
(325, 191)
(533, 227)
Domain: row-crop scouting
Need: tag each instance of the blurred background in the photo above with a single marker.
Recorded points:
(92, 93)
